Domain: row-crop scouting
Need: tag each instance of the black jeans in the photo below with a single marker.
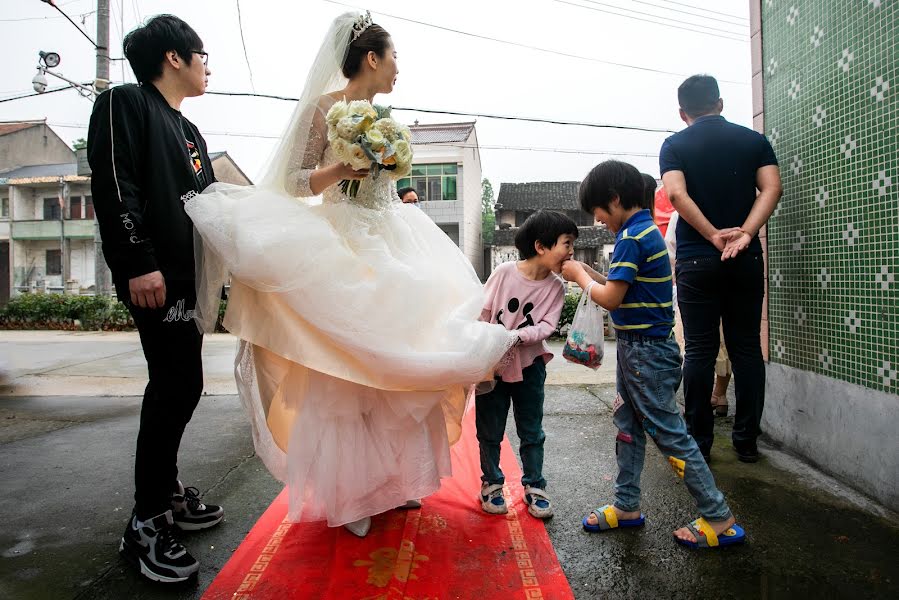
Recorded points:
(172, 345)
(491, 412)
(730, 293)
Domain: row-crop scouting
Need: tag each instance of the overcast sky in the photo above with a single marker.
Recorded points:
(439, 69)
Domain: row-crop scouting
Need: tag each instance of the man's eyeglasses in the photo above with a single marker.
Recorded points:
(204, 55)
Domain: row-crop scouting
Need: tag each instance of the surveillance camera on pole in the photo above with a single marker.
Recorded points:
(39, 83)
(49, 60)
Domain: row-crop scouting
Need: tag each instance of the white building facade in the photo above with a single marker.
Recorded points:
(446, 175)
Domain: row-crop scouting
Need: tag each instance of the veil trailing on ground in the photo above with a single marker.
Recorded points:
(325, 75)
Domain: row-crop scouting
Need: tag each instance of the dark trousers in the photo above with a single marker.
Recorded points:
(711, 291)
(172, 345)
(491, 413)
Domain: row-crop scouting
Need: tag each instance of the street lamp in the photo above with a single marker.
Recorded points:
(49, 60)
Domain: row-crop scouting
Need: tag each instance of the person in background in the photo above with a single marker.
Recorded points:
(408, 195)
(724, 182)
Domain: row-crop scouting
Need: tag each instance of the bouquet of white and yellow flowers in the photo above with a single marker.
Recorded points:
(364, 136)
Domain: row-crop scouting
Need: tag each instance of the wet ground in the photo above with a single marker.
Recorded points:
(65, 464)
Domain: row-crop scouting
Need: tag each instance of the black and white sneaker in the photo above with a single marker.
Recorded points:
(192, 515)
(154, 547)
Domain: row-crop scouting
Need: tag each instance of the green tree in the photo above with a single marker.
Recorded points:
(488, 216)
(79, 144)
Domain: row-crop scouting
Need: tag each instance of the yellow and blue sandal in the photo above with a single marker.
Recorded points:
(607, 519)
(706, 538)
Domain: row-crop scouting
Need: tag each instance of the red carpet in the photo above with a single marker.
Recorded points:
(447, 549)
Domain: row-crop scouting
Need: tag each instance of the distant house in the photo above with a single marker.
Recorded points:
(517, 201)
(51, 240)
(31, 143)
(226, 170)
(446, 174)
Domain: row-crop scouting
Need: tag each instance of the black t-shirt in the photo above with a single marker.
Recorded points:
(719, 161)
(194, 153)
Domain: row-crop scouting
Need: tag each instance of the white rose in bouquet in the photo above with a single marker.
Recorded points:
(338, 111)
(376, 139)
(347, 129)
(403, 153)
(388, 127)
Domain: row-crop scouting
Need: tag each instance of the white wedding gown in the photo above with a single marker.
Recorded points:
(359, 336)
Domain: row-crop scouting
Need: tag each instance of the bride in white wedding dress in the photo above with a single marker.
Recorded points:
(357, 316)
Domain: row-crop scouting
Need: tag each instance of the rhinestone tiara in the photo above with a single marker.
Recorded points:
(362, 23)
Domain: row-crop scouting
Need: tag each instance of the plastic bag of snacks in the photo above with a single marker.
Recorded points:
(585, 343)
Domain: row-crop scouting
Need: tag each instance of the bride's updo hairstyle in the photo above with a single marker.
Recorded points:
(374, 39)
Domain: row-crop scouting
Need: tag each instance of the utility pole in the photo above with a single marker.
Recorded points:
(102, 285)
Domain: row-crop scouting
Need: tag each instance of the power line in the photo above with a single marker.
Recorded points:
(547, 149)
(536, 48)
(471, 114)
(244, 43)
(669, 19)
(80, 30)
(662, 23)
(683, 12)
(44, 93)
(705, 9)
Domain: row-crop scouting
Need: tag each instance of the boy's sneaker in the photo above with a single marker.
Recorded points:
(538, 503)
(492, 500)
(192, 515)
(154, 547)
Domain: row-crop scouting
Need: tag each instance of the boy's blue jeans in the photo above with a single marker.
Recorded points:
(491, 413)
(649, 372)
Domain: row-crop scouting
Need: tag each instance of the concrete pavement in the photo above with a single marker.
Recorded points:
(65, 463)
(55, 363)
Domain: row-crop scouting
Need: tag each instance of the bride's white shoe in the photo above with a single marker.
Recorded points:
(359, 528)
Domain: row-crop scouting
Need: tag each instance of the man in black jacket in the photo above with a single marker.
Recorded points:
(147, 159)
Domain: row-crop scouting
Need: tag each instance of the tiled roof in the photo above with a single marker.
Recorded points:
(588, 237)
(6, 128)
(441, 133)
(541, 194)
(34, 171)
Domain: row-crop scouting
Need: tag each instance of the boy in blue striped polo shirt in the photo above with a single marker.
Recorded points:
(638, 295)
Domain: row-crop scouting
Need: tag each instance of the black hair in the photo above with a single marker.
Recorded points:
(649, 192)
(145, 47)
(698, 95)
(374, 39)
(608, 180)
(544, 226)
(403, 191)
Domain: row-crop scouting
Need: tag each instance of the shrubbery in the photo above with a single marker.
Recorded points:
(71, 313)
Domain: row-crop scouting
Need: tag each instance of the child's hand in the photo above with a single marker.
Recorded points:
(572, 269)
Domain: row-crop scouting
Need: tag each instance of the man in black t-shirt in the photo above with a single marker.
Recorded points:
(724, 182)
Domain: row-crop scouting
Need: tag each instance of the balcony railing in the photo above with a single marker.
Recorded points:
(51, 230)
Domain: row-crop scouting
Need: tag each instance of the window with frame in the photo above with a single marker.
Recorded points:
(51, 209)
(54, 262)
(4, 208)
(433, 182)
(88, 207)
(75, 207)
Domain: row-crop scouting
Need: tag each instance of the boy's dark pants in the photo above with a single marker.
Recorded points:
(172, 344)
(710, 290)
(491, 413)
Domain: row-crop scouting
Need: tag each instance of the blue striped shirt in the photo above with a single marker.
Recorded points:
(640, 258)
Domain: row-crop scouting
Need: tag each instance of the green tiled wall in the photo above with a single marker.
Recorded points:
(831, 80)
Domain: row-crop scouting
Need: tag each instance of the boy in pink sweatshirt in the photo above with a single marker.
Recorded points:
(525, 296)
